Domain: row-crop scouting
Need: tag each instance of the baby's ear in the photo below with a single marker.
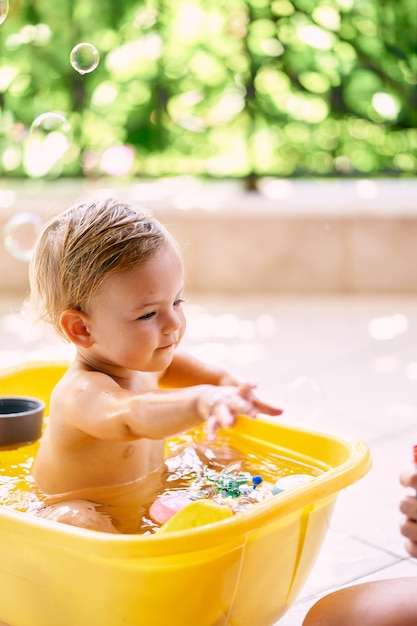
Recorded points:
(74, 325)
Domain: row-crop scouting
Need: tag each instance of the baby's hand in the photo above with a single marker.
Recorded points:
(220, 406)
(246, 389)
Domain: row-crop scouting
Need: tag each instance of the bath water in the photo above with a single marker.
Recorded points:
(194, 468)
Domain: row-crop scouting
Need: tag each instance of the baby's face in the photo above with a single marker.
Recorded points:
(136, 319)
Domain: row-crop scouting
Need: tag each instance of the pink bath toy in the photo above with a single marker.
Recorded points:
(166, 505)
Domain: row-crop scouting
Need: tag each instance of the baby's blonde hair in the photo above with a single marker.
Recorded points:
(79, 248)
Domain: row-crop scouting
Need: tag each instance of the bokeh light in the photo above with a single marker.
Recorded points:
(251, 90)
(117, 160)
(387, 327)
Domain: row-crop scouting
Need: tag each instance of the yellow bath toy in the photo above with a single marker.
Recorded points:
(198, 513)
(246, 569)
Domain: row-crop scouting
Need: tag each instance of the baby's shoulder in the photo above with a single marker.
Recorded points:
(77, 380)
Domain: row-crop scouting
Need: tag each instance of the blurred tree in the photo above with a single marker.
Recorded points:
(226, 88)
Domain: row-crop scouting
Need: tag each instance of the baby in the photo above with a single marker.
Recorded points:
(109, 277)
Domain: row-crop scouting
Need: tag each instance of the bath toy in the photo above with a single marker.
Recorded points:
(227, 484)
(166, 505)
(292, 480)
(246, 569)
(234, 484)
(21, 420)
(194, 514)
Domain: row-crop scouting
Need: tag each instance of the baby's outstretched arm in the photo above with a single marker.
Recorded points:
(408, 506)
(102, 409)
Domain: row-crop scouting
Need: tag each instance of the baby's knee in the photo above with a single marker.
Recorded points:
(81, 513)
(375, 603)
(335, 609)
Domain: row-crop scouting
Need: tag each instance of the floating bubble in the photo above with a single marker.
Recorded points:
(84, 58)
(20, 234)
(4, 10)
(49, 138)
(50, 122)
(304, 399)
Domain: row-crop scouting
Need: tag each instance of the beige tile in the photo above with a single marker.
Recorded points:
(262, 254)
(322, 236)
(382, 255)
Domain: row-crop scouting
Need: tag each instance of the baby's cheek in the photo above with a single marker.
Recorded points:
(182, 329)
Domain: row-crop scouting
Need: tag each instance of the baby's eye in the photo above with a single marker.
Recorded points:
(178, 302)
(147, 316)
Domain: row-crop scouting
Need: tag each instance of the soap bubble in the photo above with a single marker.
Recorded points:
(49, 123)
(304, 399)
(49, 139)
(4, 9)
(84, 58)
(20, 234)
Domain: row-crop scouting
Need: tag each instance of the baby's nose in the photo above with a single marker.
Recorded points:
(173, 322)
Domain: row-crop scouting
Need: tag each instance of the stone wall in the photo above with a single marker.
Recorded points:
(333, 236)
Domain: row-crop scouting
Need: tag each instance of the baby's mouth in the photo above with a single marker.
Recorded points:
(168, 345)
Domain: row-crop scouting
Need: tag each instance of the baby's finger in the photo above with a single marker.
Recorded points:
(250, 411)
(224, 416)
(267, 409)
(221, 417)
(246, 390)
(211, 428)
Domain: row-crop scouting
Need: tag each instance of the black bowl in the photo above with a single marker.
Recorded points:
(21, 419)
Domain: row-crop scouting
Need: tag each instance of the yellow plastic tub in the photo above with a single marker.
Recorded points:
(245, 570)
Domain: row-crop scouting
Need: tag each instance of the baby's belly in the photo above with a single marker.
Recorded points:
(124, 503)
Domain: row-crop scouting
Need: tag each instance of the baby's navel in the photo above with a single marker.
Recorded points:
(128, 451)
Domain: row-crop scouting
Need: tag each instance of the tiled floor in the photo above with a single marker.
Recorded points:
(342, 362)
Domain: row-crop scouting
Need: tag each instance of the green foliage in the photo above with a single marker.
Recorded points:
(226, 88)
